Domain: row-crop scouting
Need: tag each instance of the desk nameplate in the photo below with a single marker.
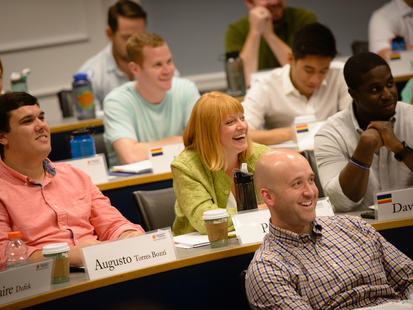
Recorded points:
(24, 281)
(393, 205)
(112, 258)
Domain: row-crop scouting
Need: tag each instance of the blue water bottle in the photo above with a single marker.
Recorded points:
(82, 144)
(85, 101)
(398, 44)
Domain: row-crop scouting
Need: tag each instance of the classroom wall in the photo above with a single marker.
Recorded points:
(54, 37)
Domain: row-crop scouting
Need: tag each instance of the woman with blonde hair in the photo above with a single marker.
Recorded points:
(216, 142)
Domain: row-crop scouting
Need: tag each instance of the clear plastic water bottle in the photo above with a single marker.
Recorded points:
(234, 70)
(85, 100)
(82, 144)
(16, 250)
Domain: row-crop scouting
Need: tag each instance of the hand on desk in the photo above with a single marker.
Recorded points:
(130, 234)
(75, 254)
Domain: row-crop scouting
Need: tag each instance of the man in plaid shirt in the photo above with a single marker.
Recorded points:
(337, 262)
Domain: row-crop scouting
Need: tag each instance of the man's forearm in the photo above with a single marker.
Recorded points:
(249, 55)
(272, 136)
(278, 47)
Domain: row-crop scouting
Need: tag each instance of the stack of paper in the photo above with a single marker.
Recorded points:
(138, 167)
(191, 240)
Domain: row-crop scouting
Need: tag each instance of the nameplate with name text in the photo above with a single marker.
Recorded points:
(252, 225)
(25, 281)
(115, 257)
(395, 204)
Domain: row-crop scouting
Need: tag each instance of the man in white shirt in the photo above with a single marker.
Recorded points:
(366, 148)
(109, 68)
(395, 18)
(307, 85)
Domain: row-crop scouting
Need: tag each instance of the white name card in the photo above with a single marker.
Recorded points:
(111, 258)
(24, 281)
(396, 204)
(252, 225)
(305, 132)
(94, 166)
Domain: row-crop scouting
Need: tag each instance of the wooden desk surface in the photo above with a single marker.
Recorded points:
(134, 180)
(185, 257)
(71, 123)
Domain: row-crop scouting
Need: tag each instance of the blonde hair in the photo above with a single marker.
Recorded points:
(138, 41)
(202, 133)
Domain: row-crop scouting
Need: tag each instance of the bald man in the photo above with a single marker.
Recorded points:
(318, 263)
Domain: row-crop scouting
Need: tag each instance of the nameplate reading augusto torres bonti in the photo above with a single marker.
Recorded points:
(111, 258)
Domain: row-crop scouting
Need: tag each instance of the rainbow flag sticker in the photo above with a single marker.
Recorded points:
(394, 56)
(385, 198)
(301, 128)
(156, 152)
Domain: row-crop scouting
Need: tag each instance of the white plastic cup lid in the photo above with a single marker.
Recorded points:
(214, 214)
(55, 248)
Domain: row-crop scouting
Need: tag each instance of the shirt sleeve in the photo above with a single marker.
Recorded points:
(118, 120)
(407, 91)
(380, 32)
(234, 39)
(192, 97)
(330, 161)
(398, 267)
(255, 106)
(269, 285)
(107, 221)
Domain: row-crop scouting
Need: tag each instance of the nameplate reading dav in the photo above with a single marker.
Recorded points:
(396, 204)
(111, 258)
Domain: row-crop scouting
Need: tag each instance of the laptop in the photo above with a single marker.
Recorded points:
(162, 156)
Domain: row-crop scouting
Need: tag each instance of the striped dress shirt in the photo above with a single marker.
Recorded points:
(344, 263)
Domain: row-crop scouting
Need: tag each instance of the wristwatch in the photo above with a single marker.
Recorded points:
(403, 153)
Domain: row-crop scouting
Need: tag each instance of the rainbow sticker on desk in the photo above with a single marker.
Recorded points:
(394, 56)
(385, 198)
(156, 152)
(301, 128)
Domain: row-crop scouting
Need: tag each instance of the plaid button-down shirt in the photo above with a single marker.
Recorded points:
(343, 264)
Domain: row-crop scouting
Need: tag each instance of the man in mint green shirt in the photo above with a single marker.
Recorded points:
(263, 38)
(153, 109)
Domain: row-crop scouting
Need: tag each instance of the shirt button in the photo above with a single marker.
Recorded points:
(226, 192)
(334, 265)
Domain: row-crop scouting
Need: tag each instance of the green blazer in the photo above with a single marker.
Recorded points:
(199, 189)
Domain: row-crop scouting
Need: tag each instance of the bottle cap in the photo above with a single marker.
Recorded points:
(214, 214)
(80, 76)
(81, 132)
(14, 234)
(55, 248)
(244, 167)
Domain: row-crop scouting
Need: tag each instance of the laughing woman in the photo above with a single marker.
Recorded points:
(216, 142)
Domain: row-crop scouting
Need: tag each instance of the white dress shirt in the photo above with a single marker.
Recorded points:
(274, 102)
(393, 18)
(335, 143)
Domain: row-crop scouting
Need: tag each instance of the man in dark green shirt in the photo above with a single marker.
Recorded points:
(263, 38)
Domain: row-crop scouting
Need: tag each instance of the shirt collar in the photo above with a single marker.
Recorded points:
(47, 164)
(111, 65)
(288, 85)
(295, 239)
(356, 123)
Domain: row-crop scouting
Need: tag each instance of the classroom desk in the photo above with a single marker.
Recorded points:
(187, 283)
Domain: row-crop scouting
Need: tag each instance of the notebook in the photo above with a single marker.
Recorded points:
(162, 156)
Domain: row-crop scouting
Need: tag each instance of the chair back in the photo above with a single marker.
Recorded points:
(156, 208)
(100, 145)
(358, 47)
(309, 155)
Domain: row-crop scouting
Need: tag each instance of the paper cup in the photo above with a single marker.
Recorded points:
(216, 223)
